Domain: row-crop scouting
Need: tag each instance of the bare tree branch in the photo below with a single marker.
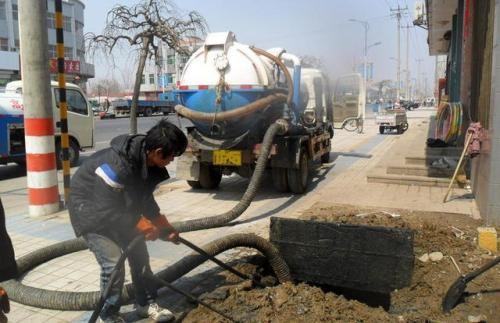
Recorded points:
(143, 26)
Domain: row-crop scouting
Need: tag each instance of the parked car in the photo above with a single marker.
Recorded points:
(409, 105)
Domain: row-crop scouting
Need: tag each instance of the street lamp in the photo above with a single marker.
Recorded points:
(398, 77)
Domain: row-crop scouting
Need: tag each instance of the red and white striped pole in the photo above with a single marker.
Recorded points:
(43, 193)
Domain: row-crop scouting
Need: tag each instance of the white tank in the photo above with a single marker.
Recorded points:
(221, 54)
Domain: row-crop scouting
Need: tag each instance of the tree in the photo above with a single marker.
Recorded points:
(311, 62)
(105, 87)
(143, 27)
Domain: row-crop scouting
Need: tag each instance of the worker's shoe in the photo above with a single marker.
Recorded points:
(155, 312)
(113, 318)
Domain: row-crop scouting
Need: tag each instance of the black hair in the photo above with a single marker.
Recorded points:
(166, 136)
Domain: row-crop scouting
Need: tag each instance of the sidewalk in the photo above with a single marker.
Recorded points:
(352, 187)
(79, 271)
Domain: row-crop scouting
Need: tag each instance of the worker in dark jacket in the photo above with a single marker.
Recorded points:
(111, 202)
(8, 266)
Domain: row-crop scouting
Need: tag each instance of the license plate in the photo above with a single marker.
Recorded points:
(227, 157)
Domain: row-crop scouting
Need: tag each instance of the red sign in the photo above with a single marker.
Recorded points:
(69, 66)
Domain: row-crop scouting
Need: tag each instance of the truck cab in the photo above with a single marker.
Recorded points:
(80, 122)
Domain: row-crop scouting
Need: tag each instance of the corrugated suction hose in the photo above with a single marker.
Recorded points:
(78, 301)
(248, 196)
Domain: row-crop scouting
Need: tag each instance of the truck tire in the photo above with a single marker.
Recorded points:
(298, 178)
(210, 177)
(74, 153)
(280, 180)
(194, 184)
(381, 129)
(148, 112)
(325, 158)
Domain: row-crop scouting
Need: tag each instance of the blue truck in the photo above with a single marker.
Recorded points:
(165, 105)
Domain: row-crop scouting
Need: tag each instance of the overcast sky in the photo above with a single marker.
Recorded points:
(319, 28)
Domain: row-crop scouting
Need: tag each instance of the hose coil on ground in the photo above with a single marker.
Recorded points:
(77, 301)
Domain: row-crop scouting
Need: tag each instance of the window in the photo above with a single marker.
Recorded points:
(151, 79)
(143, 81)
(170, 59)
(52, 51)
(67, 23)
(80, 54)
(2, 10)
(51, 20)
(68, 52)
(4, 44)
(78, 26)
(16, 43)
(14, 11)
(76, 102)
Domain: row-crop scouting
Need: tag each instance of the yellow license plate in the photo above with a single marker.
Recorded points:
(227, 157)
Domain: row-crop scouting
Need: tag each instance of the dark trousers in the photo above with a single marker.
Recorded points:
(107, 250)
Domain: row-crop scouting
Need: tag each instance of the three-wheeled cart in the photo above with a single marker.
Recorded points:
(391, 119)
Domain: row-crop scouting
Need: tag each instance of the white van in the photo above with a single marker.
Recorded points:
(80, 119)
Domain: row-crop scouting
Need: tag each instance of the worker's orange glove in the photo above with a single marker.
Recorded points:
(4, 301)
(167, 231)
(147, 228)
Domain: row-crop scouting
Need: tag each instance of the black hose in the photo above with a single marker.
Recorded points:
(224, 218)
(62, 300)
(78, 301)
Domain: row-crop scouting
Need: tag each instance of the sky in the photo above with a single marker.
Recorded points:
(319, 28)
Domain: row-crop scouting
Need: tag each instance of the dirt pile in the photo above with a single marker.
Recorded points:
(440, 241)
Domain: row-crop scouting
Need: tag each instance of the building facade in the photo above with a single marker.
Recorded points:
(77, 69)
(468, 33)
(164, 74)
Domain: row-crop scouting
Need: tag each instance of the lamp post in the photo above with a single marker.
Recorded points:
(398, 77)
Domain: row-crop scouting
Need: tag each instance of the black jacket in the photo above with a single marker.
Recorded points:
(8, 266)
(114, 187)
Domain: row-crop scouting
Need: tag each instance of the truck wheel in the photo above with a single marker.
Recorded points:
(280, 180)
(404, 126)
(74, 153)
(381, 130)
(298, 178)
(148, 112)
(325, 158)
(194, 184)
(210, 176)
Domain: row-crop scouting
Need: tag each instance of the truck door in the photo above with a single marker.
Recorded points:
(80, 116)
(349, 99)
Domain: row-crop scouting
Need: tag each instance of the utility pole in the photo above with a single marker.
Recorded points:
(407, 82)
(398, 13)
(43, 192)
(419, 89)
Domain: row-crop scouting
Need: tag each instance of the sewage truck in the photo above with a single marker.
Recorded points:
(234, 94)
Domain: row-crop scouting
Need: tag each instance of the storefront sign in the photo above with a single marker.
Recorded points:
(70, 66)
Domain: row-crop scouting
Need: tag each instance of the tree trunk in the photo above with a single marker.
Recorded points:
(137, 85)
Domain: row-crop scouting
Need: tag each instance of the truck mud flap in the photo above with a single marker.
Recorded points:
(188, 167)
(360, 257)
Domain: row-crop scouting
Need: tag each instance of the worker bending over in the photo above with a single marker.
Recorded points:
(111, 202)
